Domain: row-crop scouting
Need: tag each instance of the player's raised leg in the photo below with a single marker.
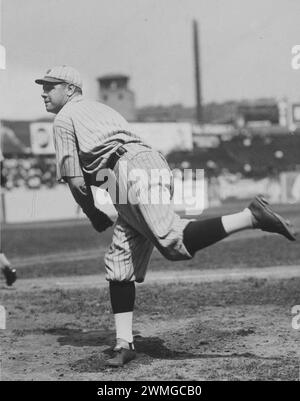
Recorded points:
(179, 238)
(258, 215)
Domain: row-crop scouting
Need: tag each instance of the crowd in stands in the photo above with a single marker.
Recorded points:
(243, 156)
(30, 172)
(250, 156)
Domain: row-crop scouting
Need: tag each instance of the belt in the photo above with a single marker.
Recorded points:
(112, 161)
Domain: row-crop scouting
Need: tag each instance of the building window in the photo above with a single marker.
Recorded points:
(105, 98)
(120, 96)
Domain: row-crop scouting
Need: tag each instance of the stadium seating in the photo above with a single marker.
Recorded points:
(254, 156)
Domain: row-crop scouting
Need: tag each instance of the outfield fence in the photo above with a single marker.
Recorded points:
(25, 205)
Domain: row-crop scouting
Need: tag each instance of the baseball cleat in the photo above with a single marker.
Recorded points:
(121, 356)
(10, 275)
(268, 220)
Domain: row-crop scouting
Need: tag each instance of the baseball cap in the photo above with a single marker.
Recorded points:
(59, 74)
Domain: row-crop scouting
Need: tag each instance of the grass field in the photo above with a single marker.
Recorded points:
(223, 330)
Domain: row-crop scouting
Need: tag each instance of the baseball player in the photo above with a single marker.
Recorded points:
(91, 138)
(10, 274)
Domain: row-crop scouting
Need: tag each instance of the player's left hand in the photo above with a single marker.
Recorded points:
(100, 221)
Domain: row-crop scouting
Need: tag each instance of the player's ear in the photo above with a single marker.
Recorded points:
(71, 89)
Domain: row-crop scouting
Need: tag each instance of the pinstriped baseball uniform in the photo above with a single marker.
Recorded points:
(92, 129)
(86, 133)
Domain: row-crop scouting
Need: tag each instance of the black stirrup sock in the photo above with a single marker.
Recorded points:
(122, 296)
(200, 234)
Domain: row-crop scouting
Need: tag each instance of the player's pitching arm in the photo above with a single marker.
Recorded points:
(69, 170)
(83, 196)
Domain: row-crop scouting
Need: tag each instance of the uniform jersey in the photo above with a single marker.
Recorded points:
(86, 133)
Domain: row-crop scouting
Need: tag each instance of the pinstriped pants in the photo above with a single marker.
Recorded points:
(141, 223)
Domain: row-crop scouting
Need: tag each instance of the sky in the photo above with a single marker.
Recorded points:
(245, 48)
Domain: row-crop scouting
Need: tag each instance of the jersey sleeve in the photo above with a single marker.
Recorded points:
(67, 159)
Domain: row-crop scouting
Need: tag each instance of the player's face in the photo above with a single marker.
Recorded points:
(55, 96)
